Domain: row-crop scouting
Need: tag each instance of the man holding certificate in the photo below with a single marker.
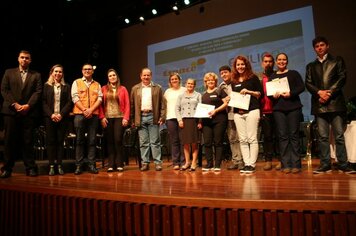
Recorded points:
(287, 113)
(245, 95)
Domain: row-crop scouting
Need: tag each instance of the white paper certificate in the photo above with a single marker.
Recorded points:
(239, 101)
(277, 85)
(202, 110)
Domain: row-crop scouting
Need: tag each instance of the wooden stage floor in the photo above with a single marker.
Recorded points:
(226, 189)
(180, 203)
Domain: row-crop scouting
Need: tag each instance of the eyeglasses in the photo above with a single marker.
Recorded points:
(87, 69)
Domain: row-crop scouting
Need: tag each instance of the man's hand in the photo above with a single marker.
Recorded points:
(324, 95)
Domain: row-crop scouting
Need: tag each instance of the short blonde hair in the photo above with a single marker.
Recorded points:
(208, 75)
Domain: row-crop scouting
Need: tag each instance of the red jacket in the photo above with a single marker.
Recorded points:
(123, 99)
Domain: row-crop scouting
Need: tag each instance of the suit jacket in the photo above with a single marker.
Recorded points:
(13, 90)
(158, 104)
(66, 104)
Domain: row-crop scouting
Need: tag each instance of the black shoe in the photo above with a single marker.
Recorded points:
(208, 167)
(145, 167)
(60, 170)
(93, 170)
(5, 174)
(249, 169)
(322, 169)
(32, 173)
(78, 171)
(347, 170)
(51, 171)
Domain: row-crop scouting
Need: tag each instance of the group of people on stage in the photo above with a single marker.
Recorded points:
(147, 107)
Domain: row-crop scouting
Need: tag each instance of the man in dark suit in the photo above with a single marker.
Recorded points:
(21, 89)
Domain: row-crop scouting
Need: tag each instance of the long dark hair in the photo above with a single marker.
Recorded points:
(247, 74)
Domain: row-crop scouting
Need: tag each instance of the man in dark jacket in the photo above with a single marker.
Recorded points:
(21, 89)
(325, 79)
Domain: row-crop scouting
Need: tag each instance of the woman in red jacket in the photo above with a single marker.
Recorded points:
(114, 116)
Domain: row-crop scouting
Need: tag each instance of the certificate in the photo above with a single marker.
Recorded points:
(277, 85)
(202, 110)
(239, 101)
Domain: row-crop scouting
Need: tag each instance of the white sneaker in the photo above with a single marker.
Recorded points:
(217, 169)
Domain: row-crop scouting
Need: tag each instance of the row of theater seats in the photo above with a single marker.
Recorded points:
(130, 143)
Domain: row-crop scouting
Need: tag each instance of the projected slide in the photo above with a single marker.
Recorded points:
(194, 55)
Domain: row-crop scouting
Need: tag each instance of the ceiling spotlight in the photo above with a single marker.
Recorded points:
(175, 8)
(127, 21)
(141, 18)
(186, 2)
(154, 11)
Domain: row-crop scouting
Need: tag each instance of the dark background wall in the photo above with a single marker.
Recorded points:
(64, 32)
(334, 19)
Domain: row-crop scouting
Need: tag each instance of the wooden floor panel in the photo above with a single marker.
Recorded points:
(225, 189)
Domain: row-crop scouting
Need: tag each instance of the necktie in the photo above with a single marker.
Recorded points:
(23, 76)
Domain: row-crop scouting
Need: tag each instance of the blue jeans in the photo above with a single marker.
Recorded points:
(149, 139)
(288, 125)
(82, 126)
(336, 121)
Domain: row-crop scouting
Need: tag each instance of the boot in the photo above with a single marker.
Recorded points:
(51, 170)
(268, 165)
(60, 170)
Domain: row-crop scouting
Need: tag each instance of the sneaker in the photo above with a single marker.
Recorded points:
(93, 169)
(243, 170)
(158, 167)
(278, 166)
(145, 167)
(347, 170)
(268, 166)
(207, 167)
(176, 167)
(120, 169)
(322, 169)
(236, 166)
(217, 169)
(249, 169)
(233, 166)
(110, 169)
(286, 170)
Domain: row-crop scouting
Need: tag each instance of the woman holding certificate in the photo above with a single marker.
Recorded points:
(189, 134)
(214, 127)
(287, 111)
(246, 87)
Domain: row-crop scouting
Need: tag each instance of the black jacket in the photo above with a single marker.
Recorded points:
(13, 91)
(329, 75)
(66, 104)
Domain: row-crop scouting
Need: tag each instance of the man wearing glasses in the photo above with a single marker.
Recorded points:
(86, 96)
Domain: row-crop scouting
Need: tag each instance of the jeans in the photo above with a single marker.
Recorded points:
(288, 126)
(82, 126)
(336, 121)
(149, 139)
(176, 146)
(234, 142)
(268, 127)
(247, 129)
